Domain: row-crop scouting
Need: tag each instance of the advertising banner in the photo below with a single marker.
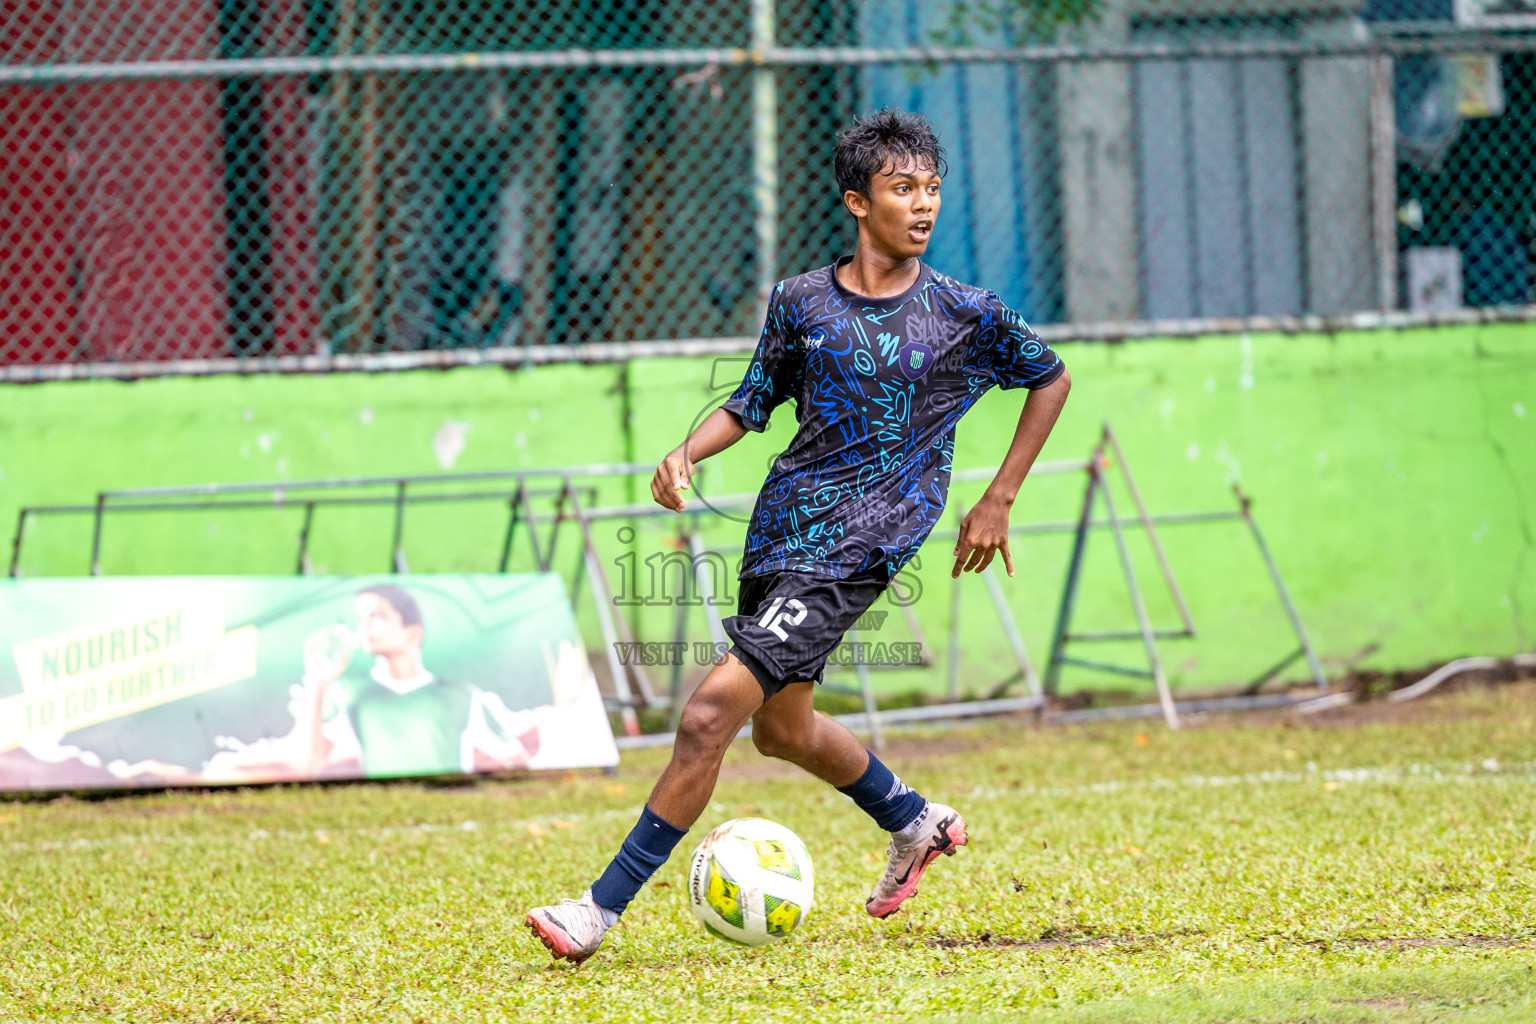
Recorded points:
(193, 680)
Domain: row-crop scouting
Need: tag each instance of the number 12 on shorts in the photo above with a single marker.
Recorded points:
(774, 620)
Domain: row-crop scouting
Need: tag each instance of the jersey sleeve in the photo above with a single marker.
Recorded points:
(1003, 345)
(773, 373)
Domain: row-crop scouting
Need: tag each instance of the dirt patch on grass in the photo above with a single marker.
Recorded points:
(238, 1017)
(1051, 939)
(986, 940)
(1429, 942)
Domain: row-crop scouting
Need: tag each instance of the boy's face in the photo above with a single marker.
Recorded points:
(381, 628)
(897, 217)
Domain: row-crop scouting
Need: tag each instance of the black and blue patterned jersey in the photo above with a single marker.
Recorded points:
(879, 385)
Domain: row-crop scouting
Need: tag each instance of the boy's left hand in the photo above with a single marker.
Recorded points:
(983, 533)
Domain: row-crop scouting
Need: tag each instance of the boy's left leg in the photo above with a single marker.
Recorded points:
(788, 727)
(574, 928)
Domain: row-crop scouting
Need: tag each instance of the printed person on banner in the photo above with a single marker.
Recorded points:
(399, 718)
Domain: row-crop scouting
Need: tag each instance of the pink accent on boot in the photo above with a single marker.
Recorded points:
(944, 833)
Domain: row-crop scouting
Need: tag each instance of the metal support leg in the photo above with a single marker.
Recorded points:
(925, 654)
(706, 589)
(603, 594)
(21, 528)
(306, 567)
(1164, 695)
(578, 574)
(1011, 631)
(1285, 595)
(1146, 523)
(101, 511)
(679, 637)
(398, 554)
(1069, 588)
(954, 639)
(871, 708)
(514, 513)
(540, 559)
(717, 634)
(621, 688)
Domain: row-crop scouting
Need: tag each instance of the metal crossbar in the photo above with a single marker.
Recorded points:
(746, 57)
(624, 351)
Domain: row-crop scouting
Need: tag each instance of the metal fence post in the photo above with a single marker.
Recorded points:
(1384, 180)
(765, 153)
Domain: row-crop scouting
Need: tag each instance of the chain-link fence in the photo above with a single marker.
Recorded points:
(197, 179)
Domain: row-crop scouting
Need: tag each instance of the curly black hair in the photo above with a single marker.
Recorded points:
(887, 136)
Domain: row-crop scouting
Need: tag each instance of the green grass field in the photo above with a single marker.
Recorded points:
(1373, 867)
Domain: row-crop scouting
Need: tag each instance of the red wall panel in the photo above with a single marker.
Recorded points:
(111, 216)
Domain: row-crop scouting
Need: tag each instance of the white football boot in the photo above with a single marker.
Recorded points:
(571, 929)
(939, 829)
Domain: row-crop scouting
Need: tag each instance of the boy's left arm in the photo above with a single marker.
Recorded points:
(984, 530)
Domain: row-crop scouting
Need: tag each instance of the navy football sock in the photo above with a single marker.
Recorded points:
(880, 794)
(647, 848)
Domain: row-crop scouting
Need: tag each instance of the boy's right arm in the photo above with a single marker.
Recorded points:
(770, 379)
(719, 431)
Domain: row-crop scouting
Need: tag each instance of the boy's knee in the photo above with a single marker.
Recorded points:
(773, 739)
(703, 724)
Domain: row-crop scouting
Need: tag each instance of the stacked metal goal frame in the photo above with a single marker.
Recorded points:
(568, 494)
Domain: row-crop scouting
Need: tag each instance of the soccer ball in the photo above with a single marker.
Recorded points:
(750, 882)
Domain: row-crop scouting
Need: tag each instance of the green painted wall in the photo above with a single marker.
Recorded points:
(1394, 474)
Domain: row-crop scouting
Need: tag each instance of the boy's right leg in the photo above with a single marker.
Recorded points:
(788, 726)
(724, 701)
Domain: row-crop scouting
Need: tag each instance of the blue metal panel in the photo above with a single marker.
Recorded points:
(1222, 281)
(1167, 249)
(1217, 162)
(1273, 208)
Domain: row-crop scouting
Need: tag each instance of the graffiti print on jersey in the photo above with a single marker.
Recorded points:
(878, 385)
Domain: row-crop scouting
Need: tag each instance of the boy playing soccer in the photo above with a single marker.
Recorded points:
(882, 355)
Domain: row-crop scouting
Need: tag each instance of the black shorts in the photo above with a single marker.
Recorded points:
(787, 623)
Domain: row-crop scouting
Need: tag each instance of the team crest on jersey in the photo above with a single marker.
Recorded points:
(914, 358)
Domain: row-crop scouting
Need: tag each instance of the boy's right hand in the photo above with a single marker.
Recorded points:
(671, 480)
